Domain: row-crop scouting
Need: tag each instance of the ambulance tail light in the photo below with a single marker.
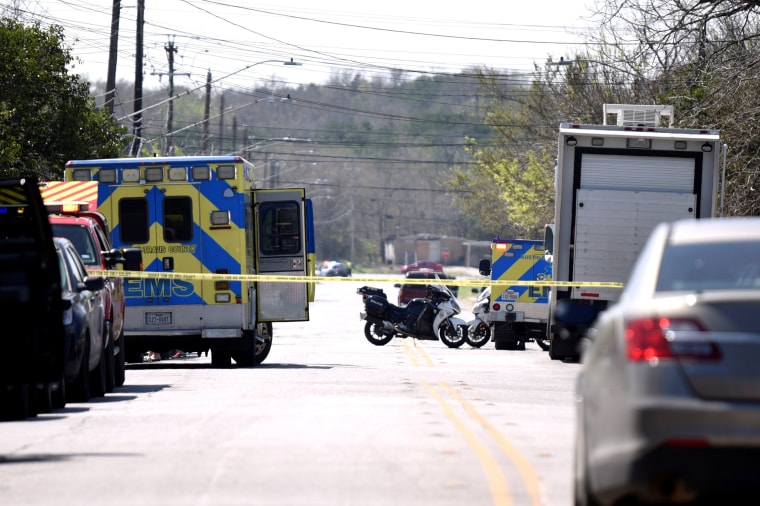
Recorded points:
(496, 306)
(222, 284)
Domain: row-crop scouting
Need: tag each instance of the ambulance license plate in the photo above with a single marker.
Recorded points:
(156, 318)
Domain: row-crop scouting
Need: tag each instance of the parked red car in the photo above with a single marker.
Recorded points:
(409, 291)
(89, 233)
(422, 264)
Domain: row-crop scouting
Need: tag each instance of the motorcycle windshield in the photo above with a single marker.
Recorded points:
(451, 297)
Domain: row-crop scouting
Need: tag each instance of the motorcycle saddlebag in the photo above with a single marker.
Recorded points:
(376, 305)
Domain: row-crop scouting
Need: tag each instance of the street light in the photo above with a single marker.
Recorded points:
(562, 62)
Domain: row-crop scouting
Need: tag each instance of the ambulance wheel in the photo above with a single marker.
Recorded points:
(508, 341)
(506, 336)
(479, 336)
(563, 349)
(450, 335)
(256, 347)
(376, 334)
(263, 342)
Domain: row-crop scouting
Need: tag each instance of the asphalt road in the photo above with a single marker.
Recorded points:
(328, 419)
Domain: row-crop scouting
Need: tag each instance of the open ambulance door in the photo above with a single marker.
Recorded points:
(281, 246)
(311, 252)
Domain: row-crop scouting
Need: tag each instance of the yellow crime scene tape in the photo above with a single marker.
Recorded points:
(270, 278)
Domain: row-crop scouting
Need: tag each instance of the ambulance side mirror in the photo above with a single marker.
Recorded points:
(549, 239)
(484, 267)
(133, 259)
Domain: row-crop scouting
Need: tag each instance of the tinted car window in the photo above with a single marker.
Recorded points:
(699, 267)
(82, 240)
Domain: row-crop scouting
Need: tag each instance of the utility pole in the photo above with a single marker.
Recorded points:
(206, 113)
(221, 123)
(171, 50)
(137, 132)
(112, 54)
(353, 215)
(246, 148)
(234, 133)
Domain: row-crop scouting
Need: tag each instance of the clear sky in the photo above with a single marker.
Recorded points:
(231, 37)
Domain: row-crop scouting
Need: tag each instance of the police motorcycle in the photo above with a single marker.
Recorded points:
(479, 328)
(432, 317)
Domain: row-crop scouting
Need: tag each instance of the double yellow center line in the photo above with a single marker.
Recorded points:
(494, 475)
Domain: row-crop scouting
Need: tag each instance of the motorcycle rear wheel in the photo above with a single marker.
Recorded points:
(377, 334)
(450, 336)
(479, 337)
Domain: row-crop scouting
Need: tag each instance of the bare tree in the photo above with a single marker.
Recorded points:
(700, 56)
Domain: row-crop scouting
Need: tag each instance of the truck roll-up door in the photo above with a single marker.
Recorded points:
(639, 173)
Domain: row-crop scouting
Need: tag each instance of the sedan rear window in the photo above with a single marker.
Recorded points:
(710, 266)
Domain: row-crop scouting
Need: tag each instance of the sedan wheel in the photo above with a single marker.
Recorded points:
(98, 377)
(80, 387)
(120, 362)
(110, 358)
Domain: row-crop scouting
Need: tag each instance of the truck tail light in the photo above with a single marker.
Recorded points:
(654, 338)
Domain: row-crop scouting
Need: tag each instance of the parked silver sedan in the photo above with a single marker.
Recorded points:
(669, 392)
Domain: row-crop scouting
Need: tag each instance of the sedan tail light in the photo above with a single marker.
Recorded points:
(656, 338)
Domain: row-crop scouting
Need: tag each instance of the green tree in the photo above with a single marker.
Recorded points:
(510, 185)
(47, 116)
(507, 196)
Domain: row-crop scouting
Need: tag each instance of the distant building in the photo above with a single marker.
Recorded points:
(445, 250)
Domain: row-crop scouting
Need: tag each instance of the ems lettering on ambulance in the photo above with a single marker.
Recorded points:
(519, 260)
(175, 237)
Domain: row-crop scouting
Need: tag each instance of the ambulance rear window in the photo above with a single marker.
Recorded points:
(133, 221)
(178, 219)
(280, 225)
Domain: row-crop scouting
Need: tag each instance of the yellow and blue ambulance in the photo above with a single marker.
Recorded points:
(519, 311)
(218, 253)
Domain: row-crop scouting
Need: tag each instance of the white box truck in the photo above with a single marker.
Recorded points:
(614, 183)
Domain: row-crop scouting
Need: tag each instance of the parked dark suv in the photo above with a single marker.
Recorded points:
(30, 299)
(409, 291)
